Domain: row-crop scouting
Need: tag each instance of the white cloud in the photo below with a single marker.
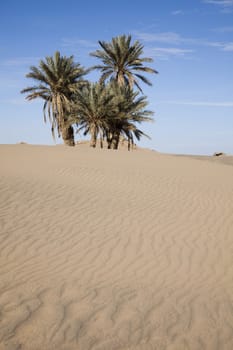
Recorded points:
(9, 82)
(165, 37)
(168, 38)
(166, 52)
(223, 29)
(17, 101)
(173, 38)
(199, 103)
(19, 61)
(76, 43)
(227, 46)
(224, 3)
(177, 12)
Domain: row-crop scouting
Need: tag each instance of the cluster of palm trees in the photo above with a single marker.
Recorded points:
(108, 109)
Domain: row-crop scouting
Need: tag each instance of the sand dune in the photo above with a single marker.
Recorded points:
(105, 250)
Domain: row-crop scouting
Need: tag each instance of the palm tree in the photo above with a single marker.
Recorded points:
(110, 111)
(122, 61)
(130, 112)
(59, 78)
(92, 110)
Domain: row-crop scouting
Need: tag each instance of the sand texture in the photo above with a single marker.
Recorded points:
(106, 250)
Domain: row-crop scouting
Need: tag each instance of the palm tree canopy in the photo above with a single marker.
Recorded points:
(58, 78)
(122, 61)
(109, 109)
(93, 106)
(131, 111)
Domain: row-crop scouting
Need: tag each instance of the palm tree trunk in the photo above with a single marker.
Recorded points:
(68, 135)
(101, 139)
(109, 140)
(101, 143)
(115, 140)
(93, 132)
(129, 142)
(120, 78)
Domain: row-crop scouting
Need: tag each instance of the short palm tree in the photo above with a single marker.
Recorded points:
(58, 78)
(130, 112)
(92, 110)
(122, 62)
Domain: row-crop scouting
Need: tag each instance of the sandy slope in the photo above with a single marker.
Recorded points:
(114, 250)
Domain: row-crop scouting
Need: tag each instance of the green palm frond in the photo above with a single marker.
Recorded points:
(122, 61)
(58, 78)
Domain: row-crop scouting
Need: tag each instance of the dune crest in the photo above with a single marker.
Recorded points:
(104, 250)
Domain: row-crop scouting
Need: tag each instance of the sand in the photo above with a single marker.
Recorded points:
(106, 250)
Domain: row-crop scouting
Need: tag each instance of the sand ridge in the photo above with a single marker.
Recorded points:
(106, 250)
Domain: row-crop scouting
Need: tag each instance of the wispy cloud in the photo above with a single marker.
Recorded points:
(224, 3)
(177, 12)
(76, 43)
(167, 39)
(228, 29)
(199, 103)
(17, 101)
(227, 46)
(8, 82)
(164, 37)
(166, 52)
(19, 61)
(172, 38)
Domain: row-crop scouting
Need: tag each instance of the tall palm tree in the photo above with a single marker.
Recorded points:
(58, 78)
(122, 61)
(92, 110)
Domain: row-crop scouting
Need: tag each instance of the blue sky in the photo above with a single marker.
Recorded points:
(191, 42)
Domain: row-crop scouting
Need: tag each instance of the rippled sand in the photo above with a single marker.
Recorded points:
(104, 250)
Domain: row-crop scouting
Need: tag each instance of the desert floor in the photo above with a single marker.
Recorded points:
(106, 250)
